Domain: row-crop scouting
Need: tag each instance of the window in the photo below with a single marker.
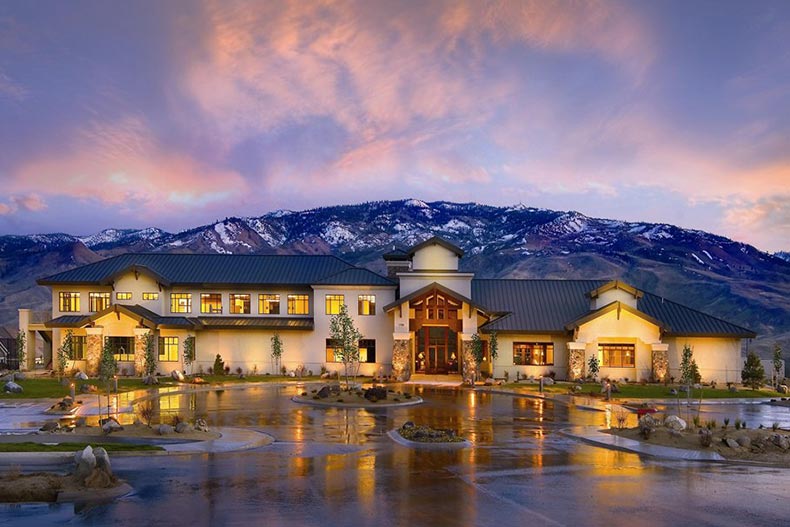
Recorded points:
(333, 351)
(210, 303)
(269, 304)
(168, 349)
(78, 345)
(366, 305)
(69, 302)
(122, 348)
(333, 303)
(123, 296)
(533, 353)
(298, 305)
(180, 302)
(367, 350)
(98, 301)
(240, 304)
(150, 296)
(617, 355)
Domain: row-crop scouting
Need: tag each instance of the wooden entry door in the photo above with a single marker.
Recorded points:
(436, 350)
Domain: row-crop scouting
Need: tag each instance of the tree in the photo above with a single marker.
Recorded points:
(593, 366)
(777, 363)
(108, 367)
(477, 351)
(687, 365)
(277, 352)
(189, 353)
(753, 372)
(346, 337)
(219, 365)
(149, 355)
(493, 346)
(21, 349)
(65, 352)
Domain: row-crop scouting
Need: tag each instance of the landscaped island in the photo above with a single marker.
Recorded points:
(375, 396)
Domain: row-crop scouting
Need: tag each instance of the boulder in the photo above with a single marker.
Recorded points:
(326, 375)
(489, 382)
(102, 460)
(577, 388)
(744, 441)
(674, 422)
(732, 443)
(150, 380)
(85, 462)
(782, 388)
(111, 425)
(648, 420)
(673, 391)
(548, 381)
(376, 393)
(88, 388)
(165, 429)
(323, 393)
(50, 426)
(200, 425)
(177, 376)
(732, 389)
(781, 441)
(334, 389)
(183, 427)
(81, 376)
(19, 376)
(12, 387)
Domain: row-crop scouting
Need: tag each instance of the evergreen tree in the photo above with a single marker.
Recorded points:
(593, 366)
(687, 366)
(777, 362)
(753, 372)
(346, 337)
(149, 356)
(277, 352)
(219, 365)
(21, 349)
(108, 366)
(65, 352)
(189, 352)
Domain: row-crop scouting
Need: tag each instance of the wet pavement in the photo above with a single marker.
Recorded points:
(338, 467)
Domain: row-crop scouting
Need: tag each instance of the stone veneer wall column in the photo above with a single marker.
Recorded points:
(401, 358)
(575, 360)
(468, 362)
(139, 350)
(660, 361)
(93, 349)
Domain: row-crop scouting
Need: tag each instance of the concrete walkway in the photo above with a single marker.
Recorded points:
(594, 436)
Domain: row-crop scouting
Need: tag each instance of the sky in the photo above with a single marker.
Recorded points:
(175, 114)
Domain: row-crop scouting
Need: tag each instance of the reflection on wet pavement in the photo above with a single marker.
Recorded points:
(337, 467)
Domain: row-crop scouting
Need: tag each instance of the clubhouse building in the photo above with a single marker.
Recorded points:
(419, 319)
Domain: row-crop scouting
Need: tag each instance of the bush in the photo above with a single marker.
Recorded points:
(146, 411)
(753, 372)
(219, 365)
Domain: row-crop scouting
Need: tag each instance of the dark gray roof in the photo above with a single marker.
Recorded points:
(280, 323)
(396, 254)
(67, 321)
(214, 269)
(547, 306)
(356, 276)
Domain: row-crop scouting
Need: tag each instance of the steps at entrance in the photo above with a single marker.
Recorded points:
(447, 379)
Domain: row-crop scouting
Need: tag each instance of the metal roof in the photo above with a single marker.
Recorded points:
(688, 322)
(356, 276)
(66, 321)
(281, 323)
(215, 269)
(436, 240)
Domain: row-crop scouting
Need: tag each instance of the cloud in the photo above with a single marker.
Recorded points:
(765, 222)
(27, 202)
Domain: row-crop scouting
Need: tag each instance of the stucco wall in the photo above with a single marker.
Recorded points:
(459, 282)
(614, 295)
(504, 360)
(434, 258)
(718, 359)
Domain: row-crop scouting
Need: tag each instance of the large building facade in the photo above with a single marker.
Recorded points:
(420, 319)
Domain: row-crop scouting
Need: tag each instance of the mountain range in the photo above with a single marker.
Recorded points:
(726, 278)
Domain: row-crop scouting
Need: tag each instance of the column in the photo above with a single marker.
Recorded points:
(401, 356)
(93, 349)
(576, 360)
(139, 350)
(660, 361)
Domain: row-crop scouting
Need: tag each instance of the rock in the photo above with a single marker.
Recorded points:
(732, 443)
(408, 424)
(12, 387)
(111, 425)
(183, 427)
(683, 389)
(323, 393)
(705, 437)
(334, 389)
(151, 379)
(88, 388)
(19, 376)
(50, 426)
(577, 388)
(674, 422)
(781, 441)
(615, 388)
(81, 376)
(102, 460)
(376, 393)
(673, 391)
(198, 380)
(164, 430)
(744, 441)
(697, 386)
(732, 389)
(200, 425)
(177, 376)
(782, 388)
(291, 374)
(489, 382)
(85, 462)
(548, 381)
(648, 420)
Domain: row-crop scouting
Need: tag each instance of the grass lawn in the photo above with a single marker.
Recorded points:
(650, 391)
(73, 447)
(38, 388)
(233, 378)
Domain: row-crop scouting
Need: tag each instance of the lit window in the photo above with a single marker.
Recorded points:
(269, 304)
(617, 355)
(533, 353)
(240, 304)
(123, 296)
(333, 351)
(298, 305)
(150, 296)
(168, 349)
(367, 350)
(333, 303)
(78, 344)
(180, 302)
(98, 301)
(69, 302)
(210, 303)
(366, 305)
(122, 348)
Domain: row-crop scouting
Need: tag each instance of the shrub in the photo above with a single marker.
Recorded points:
(146, 411)
(726, 423)
(283, 370)
(753, 372)
(239, 371)
(219, 365)
(705, 438)
(775, 426)
(177, 419)
(737, 423)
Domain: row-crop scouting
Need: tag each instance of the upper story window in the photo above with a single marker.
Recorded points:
(533, 353)
(123, 296)
(150, 296)
(298, 305)
(69, 301)
(366, 305)
(269, 304)
(333, 303)
(211, 303)
(617, 355)
(240, 304)
(180, 302)
(98, 301)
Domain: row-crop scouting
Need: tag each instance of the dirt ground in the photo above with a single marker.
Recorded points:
(139, 430)
(761, 449)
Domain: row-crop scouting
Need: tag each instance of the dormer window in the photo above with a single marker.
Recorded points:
(98, 301)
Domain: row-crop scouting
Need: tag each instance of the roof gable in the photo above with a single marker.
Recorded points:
(614, 306)
(436, 240)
